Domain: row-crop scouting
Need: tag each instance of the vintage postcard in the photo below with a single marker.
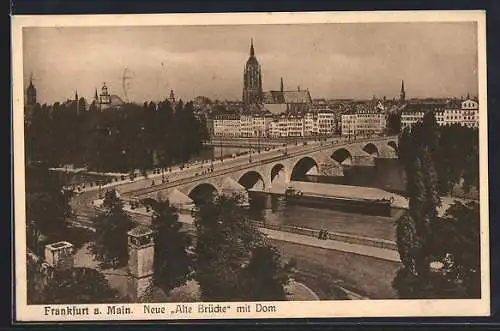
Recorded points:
(259, 165)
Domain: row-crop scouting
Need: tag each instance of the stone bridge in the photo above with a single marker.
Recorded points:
(274, 173)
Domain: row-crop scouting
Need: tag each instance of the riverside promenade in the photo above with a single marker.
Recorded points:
(366, 248)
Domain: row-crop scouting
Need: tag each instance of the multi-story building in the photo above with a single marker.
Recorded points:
(246, 126)
(363, 121)
(311, 124)
(462, 112)
(274, 129)
(326, 123)
(295, 126)
(411, 116)
(260, 124)
(227, 125)
(465, 113)
(287, 126)
(348, 123)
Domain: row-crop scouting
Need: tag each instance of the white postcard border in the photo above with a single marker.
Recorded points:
(359, 308)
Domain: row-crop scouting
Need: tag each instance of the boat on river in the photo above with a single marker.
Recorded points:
(376, 207)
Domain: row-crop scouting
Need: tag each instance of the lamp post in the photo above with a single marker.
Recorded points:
(349, 132)
(258, 140)
(220, 143)
(249, 151)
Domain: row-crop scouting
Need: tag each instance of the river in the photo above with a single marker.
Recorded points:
(386, 174)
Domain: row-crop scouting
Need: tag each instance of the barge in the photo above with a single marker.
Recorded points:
(375, 207)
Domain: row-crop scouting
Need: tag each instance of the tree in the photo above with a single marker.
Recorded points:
(229, 252)
(172, 263)
(394, 123)
(78, 286)
(267, 276)
(462, 249)
(457, 257)
(47, 206)
(114, 140)
(420, 233)
(420, 150)
(112, 224)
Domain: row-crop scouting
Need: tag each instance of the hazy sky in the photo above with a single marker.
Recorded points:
(331, 60)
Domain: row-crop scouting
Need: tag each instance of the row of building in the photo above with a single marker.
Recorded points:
(464, 112)
(361, 119)
(323, 123)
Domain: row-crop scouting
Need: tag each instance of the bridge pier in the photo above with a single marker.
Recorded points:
(363, 160)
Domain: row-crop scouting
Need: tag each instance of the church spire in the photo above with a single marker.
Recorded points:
(281, 84)
(252, 51)
(402, 94)
(171, 97)
(77, 102)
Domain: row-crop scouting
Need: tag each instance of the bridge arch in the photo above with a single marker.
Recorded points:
(342, 156)
(203, 193)
(252, 180)
(278, 174)
(371, 149)
(393, 145)
(305, 166)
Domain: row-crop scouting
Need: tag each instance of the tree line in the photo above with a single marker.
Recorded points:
(440, 254)
(457, 162)
(115, 139)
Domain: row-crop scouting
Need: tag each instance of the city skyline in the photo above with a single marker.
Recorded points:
(331, 60)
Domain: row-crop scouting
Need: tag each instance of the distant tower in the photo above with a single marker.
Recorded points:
(104, 97)
(31, 93)
(77, 101)
(402, 94)
(141, 250)
(171, 98)
(252, 79)
(281, 84)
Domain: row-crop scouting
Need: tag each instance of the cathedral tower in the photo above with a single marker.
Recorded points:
(252, 79)
(31, 94)
(402, 94)
(171, 98)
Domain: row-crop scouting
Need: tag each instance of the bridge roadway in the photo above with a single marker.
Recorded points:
(231, 165)
(262, 142)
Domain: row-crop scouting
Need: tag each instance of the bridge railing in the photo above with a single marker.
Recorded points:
(343, 237)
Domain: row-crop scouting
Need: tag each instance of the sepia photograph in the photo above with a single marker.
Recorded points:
(202, 166)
